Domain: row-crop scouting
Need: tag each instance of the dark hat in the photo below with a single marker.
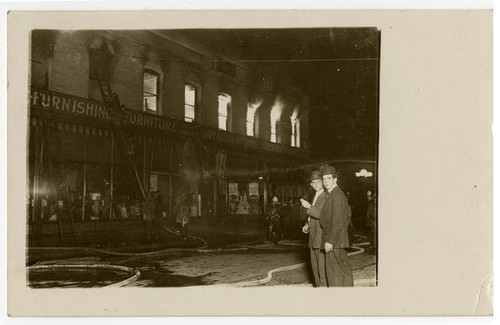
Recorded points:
(315, 174)
(326, 170)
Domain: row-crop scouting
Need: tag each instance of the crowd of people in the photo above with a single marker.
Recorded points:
(151, 211)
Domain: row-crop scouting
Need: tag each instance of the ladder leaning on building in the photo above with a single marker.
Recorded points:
(117, 111)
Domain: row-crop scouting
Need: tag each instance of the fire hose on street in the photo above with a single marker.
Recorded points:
(270, 274)
(202, 249)
(135, 273)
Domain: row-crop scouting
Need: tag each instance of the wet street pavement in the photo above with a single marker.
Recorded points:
(239, 265)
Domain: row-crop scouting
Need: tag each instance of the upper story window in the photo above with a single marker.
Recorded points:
(223, 110)
(150, 91)
(295, 141)
(273, 137)
(295, 123)
(275, 118)
(251, 110)
(250, 121)
(189, 103)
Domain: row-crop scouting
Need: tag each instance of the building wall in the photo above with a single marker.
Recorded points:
(210, 91)
(174, 90)
(127, 79)
(70, 68)
(176, 65)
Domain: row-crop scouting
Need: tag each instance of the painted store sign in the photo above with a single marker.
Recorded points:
(77, 106)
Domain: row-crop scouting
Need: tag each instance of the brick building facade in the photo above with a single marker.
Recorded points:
(195, 119)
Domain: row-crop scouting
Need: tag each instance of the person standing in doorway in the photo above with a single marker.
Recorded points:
(334, 221)
(314, 229)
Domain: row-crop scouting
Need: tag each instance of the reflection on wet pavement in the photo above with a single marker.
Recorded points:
(192, 268)
(74, 278)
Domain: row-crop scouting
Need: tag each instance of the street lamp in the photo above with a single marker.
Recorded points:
(364, 174)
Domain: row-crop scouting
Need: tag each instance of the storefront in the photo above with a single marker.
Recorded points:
(83, 168)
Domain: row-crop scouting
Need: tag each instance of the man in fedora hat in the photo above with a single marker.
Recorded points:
(334, 221)
(314, 229)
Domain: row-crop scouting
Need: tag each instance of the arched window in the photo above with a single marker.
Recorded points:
(275, 118)
(251, 110)
(223, 110)
(295, 122)
(295, 141)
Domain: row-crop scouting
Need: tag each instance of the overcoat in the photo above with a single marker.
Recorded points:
(334, 219)
(315, 233)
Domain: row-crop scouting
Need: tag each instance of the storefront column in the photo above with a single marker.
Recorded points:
(144, 164)
(34, 197)
(266, 193)
(112, 186)
(170, 194)
(84, 194)
(216, 196)
(36, 214)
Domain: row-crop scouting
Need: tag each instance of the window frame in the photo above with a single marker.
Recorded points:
(195, 105)
(228, 111)
(274, 118)
(250, 109)
(295, 136)
(144, 92)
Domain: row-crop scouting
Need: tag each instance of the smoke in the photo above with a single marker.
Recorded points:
(277, 109)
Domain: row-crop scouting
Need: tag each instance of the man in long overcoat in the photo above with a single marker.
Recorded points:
(334, 221)
(314, 229)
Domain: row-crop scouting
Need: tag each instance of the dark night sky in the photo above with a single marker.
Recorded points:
(337, 68)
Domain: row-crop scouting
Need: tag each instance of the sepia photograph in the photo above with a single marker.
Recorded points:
(249, 163)
(195, 157)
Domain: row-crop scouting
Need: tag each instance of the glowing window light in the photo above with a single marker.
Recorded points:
(251, 110)
(275, 117)
(150, 91)
(189, 103)
(295, 137)
(223, 110)
(295, 122)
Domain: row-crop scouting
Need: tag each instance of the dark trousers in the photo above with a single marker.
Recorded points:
(338, 269)
(318, 267)
(373, 237)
